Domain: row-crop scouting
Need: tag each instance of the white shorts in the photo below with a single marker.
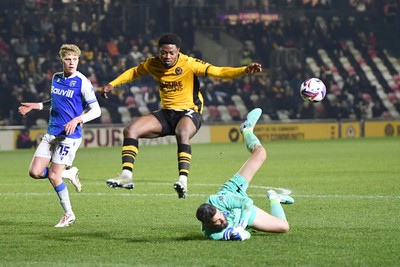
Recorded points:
(60, 150)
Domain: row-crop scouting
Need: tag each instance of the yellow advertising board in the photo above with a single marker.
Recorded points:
(276, 132)
(34, 134)
(350, 129)
(381, 128)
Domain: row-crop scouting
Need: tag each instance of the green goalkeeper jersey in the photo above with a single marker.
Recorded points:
(234, 203)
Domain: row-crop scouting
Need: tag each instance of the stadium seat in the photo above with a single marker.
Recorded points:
(331, 98)
(234, 113)
(397, 78)
(125, 114)
(237, 100)
(42, 123)
(214, 113)
(265, 118)
(282, 115)
(130, 102)
(105, 116)
(242, 110)
(144, 110)
(393, 98)
(367, 97)
(254, 98)
(223, 110)
(387, 115)
(395, 87)
(313, 66)
(205, 113)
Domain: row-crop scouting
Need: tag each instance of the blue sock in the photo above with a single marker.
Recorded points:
(45, 172)
(276, 209)
(60, 187)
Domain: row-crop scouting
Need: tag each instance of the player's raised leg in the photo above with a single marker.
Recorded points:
(247, 129)
(72, 174)
(258, 152)
(275, 221)
(284, 199)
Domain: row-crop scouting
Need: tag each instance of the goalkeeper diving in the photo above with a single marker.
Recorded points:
(229, 213)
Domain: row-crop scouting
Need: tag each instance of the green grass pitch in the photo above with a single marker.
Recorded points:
(346, 213)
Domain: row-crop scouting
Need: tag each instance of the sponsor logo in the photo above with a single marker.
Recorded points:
(57, 91)
(178, 70)
(171, 86)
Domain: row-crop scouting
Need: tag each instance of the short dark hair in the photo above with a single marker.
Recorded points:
(205, 212)
(169, 38)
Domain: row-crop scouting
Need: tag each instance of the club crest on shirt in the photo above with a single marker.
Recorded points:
(72, 83)
(178, 70)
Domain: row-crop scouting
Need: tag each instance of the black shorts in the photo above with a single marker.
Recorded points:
(169, 119)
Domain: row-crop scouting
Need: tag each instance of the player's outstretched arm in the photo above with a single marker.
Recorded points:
(253, 68)
(105, 90)
(126, 77)
(233, 72)
(25, 108)
(254, 163)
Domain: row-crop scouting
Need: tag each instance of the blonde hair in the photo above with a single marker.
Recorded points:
(69, 48)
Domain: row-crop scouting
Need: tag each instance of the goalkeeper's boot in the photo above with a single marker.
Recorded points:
(181, 188)
(283, 199)
(72, 174)
(66, 220)
(121, 181)
(251, 120)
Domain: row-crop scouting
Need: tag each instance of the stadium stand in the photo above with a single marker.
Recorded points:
(348, 44)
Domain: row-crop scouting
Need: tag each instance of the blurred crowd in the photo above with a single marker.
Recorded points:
(113, 38)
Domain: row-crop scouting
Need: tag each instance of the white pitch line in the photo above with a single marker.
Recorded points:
(125, 193)
(114, 194)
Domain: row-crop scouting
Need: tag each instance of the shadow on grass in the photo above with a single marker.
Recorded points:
(109, 236)
(16, 223)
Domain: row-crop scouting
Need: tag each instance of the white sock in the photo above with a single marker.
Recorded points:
(64, 201)
(183, 180)
(275, 197)
(127, 173)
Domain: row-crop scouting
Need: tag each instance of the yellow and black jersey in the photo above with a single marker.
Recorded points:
(179, 87)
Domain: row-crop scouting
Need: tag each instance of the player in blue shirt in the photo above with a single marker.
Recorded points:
(230, 212)
(73, 102)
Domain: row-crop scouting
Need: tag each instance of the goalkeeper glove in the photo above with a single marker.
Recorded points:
(236, 234)
(240, 235)
(228, 233)
(242, 224)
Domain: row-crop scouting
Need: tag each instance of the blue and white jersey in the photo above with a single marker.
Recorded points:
(69, 98)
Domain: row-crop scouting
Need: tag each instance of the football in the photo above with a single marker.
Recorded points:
(312, 90)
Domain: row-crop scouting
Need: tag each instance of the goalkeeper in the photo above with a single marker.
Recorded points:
(227, 214)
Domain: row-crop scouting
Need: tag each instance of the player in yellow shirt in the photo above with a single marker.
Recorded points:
(181, 105)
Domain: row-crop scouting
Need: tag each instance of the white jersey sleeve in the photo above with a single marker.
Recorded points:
(89, 97)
